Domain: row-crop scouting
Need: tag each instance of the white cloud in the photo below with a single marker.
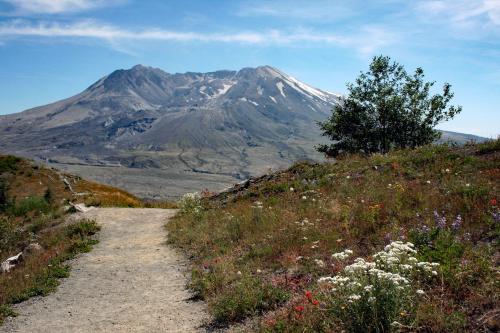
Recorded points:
(473, 16)
(56, 6)
(366, 41)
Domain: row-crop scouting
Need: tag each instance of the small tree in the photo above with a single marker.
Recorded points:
(387, 108)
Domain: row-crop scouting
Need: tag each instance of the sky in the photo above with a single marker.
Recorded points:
(53, 49)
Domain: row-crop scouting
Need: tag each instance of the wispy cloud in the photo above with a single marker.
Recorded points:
(323, 10)
(470, 16)
(57, 6)
(366, 40)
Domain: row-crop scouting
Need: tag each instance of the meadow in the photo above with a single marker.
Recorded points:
(406, 241)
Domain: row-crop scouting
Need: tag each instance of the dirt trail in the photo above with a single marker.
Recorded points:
(130, 282)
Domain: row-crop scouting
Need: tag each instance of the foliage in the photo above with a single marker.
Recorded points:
(377, 296)
(8, 163)
(29, 204)
(190, 203)
(387, 108)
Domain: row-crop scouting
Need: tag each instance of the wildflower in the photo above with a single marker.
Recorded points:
(447, 170)
(259, 271)
(348, 177)
(467, 185)
(420, 292)
(315, 302)
(239, 273)
(457, 223)
(342, 255)
(440, 220)
(354, 297)
(496, 216)
(304, 197)
(428, 182)
(292, 189)
(493, 202)
(299, 308)
(308, 294)
(319, 262)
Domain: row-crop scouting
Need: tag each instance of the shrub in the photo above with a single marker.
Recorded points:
(8, 163)
(190, 203)
(246, 297)
(28, 205)
(376, 296)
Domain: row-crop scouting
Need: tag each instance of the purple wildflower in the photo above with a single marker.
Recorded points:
(496, 216)
(457, 223)
(424, 228)
(440, 220)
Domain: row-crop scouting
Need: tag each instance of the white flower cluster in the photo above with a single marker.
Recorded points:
(342, 255)
(190, 203)
(389, 275)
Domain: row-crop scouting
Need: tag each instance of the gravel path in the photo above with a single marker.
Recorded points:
(130, 282)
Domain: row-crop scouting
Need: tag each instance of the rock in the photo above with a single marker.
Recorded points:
(11, 262)
(32, 248)
(81, 207)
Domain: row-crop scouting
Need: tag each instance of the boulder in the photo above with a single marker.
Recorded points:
(11, 262)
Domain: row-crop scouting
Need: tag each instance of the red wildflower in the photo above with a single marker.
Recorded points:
(299, 308)
(493, 202)
(308, 295)
(315, 302)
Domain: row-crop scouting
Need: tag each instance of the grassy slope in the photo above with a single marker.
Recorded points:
(249, 260)
(32, 200)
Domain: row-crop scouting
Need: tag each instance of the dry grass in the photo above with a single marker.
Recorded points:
(270, 235)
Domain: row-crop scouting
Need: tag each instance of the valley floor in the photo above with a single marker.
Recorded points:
(130, 282)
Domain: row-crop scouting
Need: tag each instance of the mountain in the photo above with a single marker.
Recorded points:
(188, 130)
(155, 133)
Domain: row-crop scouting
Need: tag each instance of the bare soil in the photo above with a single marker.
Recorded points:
(130, 282)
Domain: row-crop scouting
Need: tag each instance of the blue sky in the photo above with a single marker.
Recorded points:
(52, 49)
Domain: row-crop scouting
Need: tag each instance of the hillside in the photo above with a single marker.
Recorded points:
(35, 203)
(160, 135)
(279, 251)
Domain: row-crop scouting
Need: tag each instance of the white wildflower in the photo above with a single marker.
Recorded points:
(319, 262)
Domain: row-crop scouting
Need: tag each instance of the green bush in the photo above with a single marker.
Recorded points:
(8, 163)
(83, 229)
(29, 204)
(246, 297)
